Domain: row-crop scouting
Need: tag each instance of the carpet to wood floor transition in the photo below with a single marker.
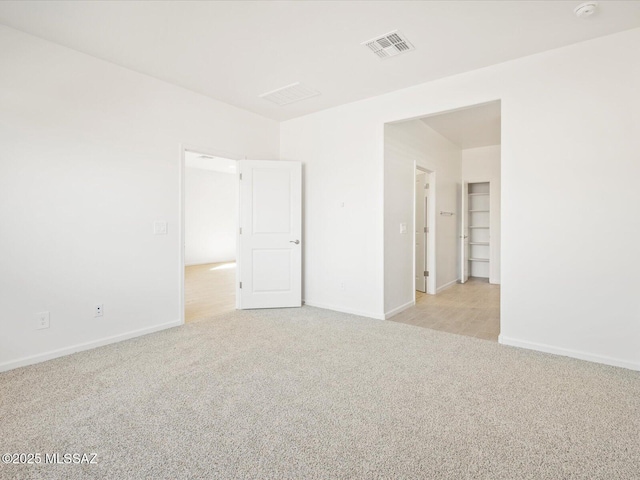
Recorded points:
(308, 393)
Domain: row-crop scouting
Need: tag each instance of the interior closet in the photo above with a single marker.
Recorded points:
(479, 215)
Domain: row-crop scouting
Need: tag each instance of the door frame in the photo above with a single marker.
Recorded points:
(430, 212)
(463, 247)
(181, 213)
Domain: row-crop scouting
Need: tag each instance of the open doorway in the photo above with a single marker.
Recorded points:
(210, 240)
(461, 147)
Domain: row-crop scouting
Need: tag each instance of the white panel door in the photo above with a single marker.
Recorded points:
(464, 233)
(421, 233)
(269, 262)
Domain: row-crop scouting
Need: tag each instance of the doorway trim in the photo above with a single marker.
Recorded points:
(181, 212)
(431, 227)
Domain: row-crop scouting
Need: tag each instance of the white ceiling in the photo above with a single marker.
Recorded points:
(472, 127)
(235, 51)
(214, 164)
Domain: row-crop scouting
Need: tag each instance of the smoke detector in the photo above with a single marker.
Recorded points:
(389, 44)
(289, 94)
(585, 9)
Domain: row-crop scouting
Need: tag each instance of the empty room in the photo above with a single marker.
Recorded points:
(319, 239)
(210, 210)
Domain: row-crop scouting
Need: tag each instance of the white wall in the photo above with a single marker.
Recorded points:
(89, 159)
(483, 165)
(406, 143)
(342, 198)
(570, 140)
(210, 217)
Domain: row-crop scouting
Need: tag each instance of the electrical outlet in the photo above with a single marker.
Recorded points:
(160, 228)
(98, 311)
(42, 320)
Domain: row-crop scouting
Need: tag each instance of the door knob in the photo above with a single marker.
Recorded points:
(294, 241)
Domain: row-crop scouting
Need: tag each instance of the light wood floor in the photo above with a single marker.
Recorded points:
(209, 290)
(472, 309)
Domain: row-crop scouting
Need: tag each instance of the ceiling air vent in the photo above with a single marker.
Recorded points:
(289, 94)
(389, 45)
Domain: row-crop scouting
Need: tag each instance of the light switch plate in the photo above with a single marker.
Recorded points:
(160, 228)
(403, 228)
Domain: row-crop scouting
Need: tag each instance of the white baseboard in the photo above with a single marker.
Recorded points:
(399, 309)
(565, 352)
(376, 316)
(61, 352)
(447, 285)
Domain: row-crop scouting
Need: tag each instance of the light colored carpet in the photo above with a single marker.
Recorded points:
(307, 393)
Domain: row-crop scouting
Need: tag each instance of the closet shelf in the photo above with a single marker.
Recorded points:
(476, 227)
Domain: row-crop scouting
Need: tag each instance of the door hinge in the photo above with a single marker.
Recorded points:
(240, 284)
(426, 273)
(240, 176)
(426, 229)
(426, 186)
(240, 230)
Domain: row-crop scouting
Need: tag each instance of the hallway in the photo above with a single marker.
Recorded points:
(471, 309)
